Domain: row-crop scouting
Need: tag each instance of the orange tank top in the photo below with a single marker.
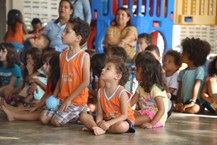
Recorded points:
(15, 37)
(71, 76)
(111, 106)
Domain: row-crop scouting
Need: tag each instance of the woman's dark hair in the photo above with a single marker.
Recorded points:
(54, 70)
(212, 67)
(151, 73)
(70, 5)
(81, 28)
(176, 56)
(14, 16)
(129, 23)
(196, 49)
(121, 68)
(36, 56)
(97, 64)
(12, 56)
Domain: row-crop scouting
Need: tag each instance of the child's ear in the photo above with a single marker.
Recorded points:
(79, 38)
(118, 76)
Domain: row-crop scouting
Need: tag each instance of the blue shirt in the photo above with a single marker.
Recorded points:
(188, 78)
(7, 73)
(81, 9)
(54, 32)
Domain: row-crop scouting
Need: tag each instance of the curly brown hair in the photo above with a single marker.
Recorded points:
(121, 68)
(151, 73)
(196, 49)
(176, 56)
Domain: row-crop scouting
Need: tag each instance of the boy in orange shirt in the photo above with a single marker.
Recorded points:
(71, 89)
(114, 113)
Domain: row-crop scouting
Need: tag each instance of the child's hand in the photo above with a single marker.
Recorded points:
(64, 106)
(146, 125)
(104, 125)
(32, 88)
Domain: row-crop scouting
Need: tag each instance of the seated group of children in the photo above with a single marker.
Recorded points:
(67, 76)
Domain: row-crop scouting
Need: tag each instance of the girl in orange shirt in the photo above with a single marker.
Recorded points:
(114, 113)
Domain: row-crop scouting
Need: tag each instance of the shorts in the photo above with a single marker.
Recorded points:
(64, 117)
(150, 116)
(131, 126)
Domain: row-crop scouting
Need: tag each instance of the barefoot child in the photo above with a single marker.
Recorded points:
(114, 114)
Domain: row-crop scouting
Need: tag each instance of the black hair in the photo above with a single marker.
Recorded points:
(176, 56)
(12, 56)
(36, 56)
(196, 49)
(212, 68)
(14, 16)
(147, 37)
(121, 68)
(153, 48)
(81, 28)
(97, 64)
(151, 73)
(35, 21)
(116, 51)
(54, 70)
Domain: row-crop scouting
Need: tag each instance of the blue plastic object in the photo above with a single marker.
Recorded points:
(52, 103)
(147, 12)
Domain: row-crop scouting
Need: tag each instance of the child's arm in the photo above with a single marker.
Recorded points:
(99, 117)
(82, 86)
(122, 117)
(159, 114)
(179, 93)
(195, 92)
(57, 89)
(134, 99)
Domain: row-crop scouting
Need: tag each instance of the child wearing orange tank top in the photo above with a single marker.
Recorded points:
(114, 113)
(71, 88)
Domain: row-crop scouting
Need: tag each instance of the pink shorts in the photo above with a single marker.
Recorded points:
(150, 116)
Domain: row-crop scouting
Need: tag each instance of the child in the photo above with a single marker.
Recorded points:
(118, 51)
(74, 75)
(51, 68)
(209, 91)
(171, 64)
(97, 64)
(191, 79)
(114, 113)
(36, 26)
(154, 50)
(16, 32)
(144, 40)
(32, 63)
(151, 95)
(10, 72)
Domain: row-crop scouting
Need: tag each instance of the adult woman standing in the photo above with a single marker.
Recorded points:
(55, 28)
(82, 10)
(122, 33)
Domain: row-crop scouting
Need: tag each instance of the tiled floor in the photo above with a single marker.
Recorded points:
(181, 129)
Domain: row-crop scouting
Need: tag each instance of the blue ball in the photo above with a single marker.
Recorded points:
(52, 103)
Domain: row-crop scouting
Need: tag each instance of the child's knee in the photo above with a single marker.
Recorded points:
(44, 119)
(54, 122)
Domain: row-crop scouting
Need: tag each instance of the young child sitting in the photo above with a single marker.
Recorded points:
(144, 40)
(191, 79)
(171, 64)
(209, 91)
(114, 114)
(71, 88)
(151, 95)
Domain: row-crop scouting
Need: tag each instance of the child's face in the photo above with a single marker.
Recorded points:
(3, 55)
(142, 44)
(169, 63)
(39, 42)
(29, 59)
(108, 72)
(46, 67)
(37, 27)
(69, 36)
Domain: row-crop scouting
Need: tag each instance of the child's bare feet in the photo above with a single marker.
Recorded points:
(7, 112)
(84, 129)
(98, 131)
